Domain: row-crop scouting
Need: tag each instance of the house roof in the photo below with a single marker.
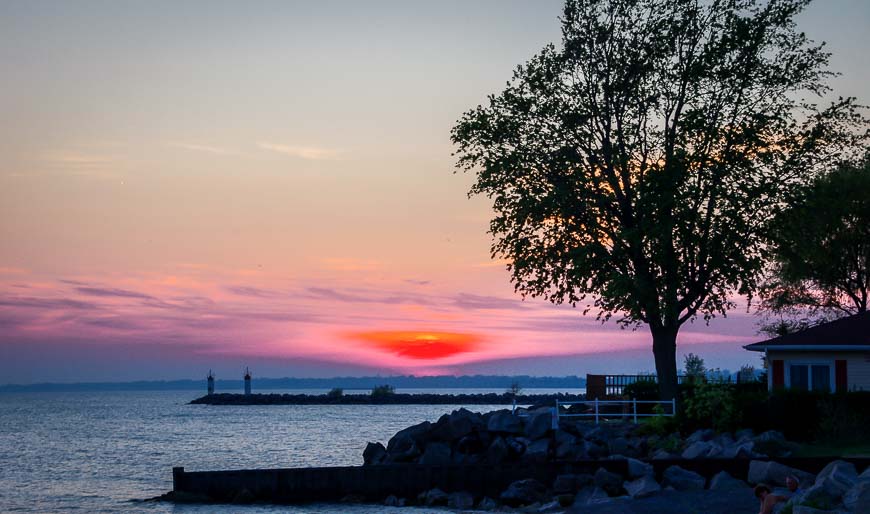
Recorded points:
(849, 333)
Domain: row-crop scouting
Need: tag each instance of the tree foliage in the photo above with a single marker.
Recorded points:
(635, 166)
(821, 242)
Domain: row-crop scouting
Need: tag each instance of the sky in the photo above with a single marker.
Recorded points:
(193, 185)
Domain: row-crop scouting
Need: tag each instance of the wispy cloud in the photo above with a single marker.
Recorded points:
(203, 148)
(311, 153)
(476, 302)
(112, 292)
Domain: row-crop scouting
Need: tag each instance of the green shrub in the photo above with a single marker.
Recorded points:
(335, 393)
(711, 405)
(383, 391)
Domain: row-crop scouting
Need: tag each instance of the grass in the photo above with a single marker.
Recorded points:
(834, 449)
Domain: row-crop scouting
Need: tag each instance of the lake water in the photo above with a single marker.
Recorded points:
(106, 451)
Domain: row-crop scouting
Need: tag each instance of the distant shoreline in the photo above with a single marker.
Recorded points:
(501, 382)
(391, 399)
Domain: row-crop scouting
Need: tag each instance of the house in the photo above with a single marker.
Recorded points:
(833, 356)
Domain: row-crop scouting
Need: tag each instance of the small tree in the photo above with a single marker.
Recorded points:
(695, 369)
(383, 391)
(638, 164)
(335, 393)
(746, 374)
(514, 390)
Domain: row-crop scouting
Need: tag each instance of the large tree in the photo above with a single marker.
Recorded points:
(821, 250)
(636, 164)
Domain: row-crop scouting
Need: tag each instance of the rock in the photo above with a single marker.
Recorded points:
(817, 496)
(620, 445)
(552, 506)
(463, 422)
(564, 500)
(738, 451)
(417, 433)
(498, 451)
(865, 474)
(724, 440)
(683, 480)
(637, 468)
(434, 497)
(436, 454)
(642, 487)
(375, 453)
(569, 447)
(773, 473)
(805, 509)
(570, 483)
(523, 492)
(352, 498)
(700, 435)
(595, 495)
(746, 433)
(539, 424)
(594, 450)
(722, 481)
(663, 454)
(393, 501)
(462, 500)
(537, 452)
(773, 444)
(516, 446)
(610, 482)
(857, 499)
(698, 449)
(837, 478)
(487, 503)
(504, 422)
(402, 449)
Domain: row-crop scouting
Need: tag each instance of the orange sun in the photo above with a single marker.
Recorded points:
(420, 345)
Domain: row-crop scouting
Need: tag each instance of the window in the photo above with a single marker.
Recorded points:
(810, 376)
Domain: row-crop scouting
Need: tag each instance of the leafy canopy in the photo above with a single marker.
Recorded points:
(638, 163)
(821, 247)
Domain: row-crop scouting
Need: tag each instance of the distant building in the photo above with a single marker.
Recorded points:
(210, 381)
(833, 356)
(247, 381)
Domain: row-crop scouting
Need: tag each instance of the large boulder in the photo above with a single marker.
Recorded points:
(737, 451)
(610, 482)
(637, 468)
(434, 497)
(539, 424)
(498, 451)
(460, 500)
(704, 434)
(487, 503)
(523, 492)
(568, 447)
(571, 483)
(402, 448)
(537, 452)
(837, 478)
(857, 499)
(773, 444)
(774, 473)
(698, 449)
(591, 495)
(817, 496)
(622, 446)
(504, 422)
(375, 453)
(436, 454)
(682, 479)
(642, 487)
(722, 481)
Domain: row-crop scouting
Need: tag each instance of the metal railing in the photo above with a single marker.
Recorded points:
(596, 404)
(597, 414)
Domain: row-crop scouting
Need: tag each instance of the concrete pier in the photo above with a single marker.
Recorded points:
(374, 483)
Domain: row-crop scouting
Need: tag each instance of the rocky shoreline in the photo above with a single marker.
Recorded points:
(503, 438)
(390, 399)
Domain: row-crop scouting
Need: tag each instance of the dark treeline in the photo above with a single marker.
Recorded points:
(399, 382)
(388, 399)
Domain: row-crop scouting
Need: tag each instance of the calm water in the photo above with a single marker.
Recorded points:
(101, 452)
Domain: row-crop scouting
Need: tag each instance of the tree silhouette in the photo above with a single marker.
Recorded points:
(821, 242)
(636, 166)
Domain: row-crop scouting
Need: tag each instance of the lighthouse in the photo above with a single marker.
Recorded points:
(247, 381)
(210, 379)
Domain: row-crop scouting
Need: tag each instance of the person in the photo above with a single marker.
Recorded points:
(768, 500)
(793, 485)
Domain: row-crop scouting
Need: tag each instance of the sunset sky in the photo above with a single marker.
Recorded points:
(195, 185)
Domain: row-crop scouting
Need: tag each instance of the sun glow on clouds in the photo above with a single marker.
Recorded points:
(423, 345)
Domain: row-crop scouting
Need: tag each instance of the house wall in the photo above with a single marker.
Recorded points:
(857, 364)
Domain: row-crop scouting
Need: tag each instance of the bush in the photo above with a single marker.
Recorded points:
(335, 393)
(711, 406)
(383, 391)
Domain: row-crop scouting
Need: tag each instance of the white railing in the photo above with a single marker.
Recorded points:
(596, 411)
(597, 414)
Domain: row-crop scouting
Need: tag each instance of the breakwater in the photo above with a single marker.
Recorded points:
(390, 399)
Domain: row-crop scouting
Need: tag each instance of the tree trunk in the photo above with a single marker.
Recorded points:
(665, 352)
